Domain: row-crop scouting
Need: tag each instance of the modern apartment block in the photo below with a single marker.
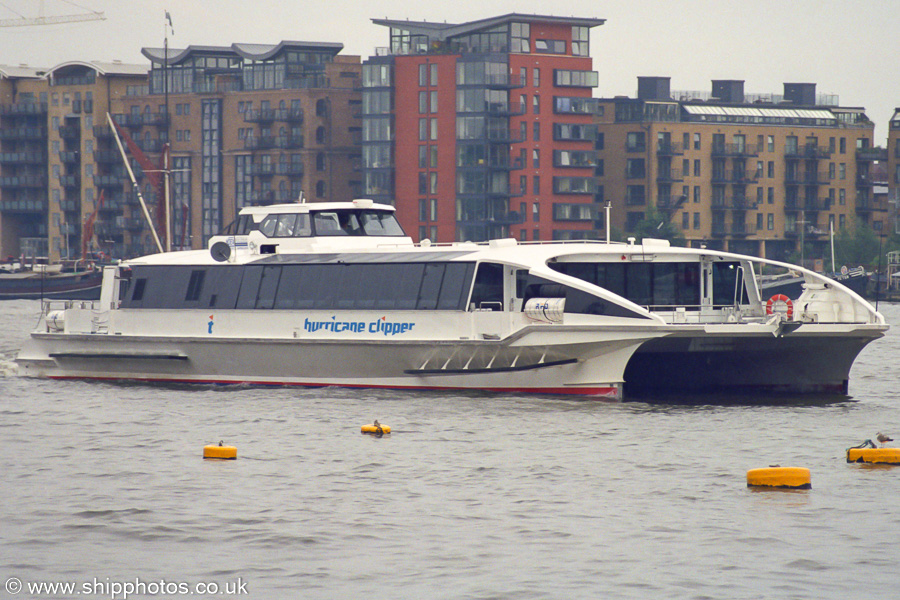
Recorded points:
(484, 129)
(51, 124)
(248, 124)
(755, 174)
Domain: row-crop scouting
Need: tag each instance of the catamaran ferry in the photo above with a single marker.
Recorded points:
(335, 294)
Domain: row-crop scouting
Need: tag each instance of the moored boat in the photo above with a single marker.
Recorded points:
(49, 281)
(336, 294)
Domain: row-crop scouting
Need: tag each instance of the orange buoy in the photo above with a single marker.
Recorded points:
(886, 456)
(376, 428)
(780, 477)
(220, 452)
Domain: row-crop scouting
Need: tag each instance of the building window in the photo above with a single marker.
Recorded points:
(843, 146)
(320, 135)
(423, 157)
(759, 221)
(423, 183)
(423, 102)
(770, 143)
(696, 141)
(536, 158)
(433, 151)
(696, 167)
(696, 220)
(434, 205)
(635, 142)
(423, 209)
(770, 169)
(535, 214)
(842, 199)
(423, 75)
(536, 185)
(842, 169)
(423, 130)
(536, 104)
(434, 75)
(433, 101)
(536, 134)
(536, 77)
(685, 220)
(433, 182)
(696, 194)
(434, 129)
(320, 189)
(770, 196)
(634, 168)
(770, 222)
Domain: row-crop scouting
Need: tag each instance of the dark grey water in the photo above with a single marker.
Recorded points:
(470, 496)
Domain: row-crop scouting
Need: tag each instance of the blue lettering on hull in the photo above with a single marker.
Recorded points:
(382, 326)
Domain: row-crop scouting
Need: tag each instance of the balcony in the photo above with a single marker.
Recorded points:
(871, 154)
(669, 176)
(289, 142)
(102, 131)
(107, 156)
(266, 142)
(868, 205)
(815, 178)
(150, 145)
(28, 205)
(23, 181)
(23, 158)
(734, 150)
(70, 205)
(737, 177)
(811, 231)
(289, 169)
(269, 115)
(811, 151)
(69, 131)
(668, 148)
(503, 81)
(505, 109)
(635, 200)
(23, 109)
(733, 229)
(69, 156)
(734, 203)
(864, 180)
(808, 204)
(157, 119)
(262, 169)
(72, 180)
(68, 229)
(23, 133)
(108, 181)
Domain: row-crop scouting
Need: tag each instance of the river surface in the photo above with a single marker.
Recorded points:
(471, 496)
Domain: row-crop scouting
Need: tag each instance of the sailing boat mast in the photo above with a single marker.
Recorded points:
(168, 150)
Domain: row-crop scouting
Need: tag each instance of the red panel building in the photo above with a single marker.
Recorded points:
(484, 129)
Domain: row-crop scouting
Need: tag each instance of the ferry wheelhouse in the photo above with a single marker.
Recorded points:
(336, 294)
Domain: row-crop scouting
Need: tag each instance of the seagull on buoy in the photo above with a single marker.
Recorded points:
(883, 439)
(376, 423)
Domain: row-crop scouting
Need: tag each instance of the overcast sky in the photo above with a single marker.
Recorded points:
(848, 48)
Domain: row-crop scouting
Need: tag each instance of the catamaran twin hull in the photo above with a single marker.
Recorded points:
(568, 360)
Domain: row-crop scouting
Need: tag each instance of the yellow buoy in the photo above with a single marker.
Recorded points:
(220, 452)
(889, 456)
(780, 477)
(376, 428)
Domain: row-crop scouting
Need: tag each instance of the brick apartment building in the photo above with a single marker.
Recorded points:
(755, 174)
(484, 129)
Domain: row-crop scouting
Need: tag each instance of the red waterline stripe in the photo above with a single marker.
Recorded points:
(605, 391)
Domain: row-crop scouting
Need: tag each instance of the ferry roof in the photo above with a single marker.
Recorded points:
(306, 207)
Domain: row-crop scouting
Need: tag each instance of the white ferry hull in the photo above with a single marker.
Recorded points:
(585, 363)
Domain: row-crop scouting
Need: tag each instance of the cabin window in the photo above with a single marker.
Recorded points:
(488, 290)
(648, 284)
(139, 286)
(329, 286)
(194, 286)
(728, 284)
(529, 286)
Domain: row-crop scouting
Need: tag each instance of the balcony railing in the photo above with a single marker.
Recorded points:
(867, 154)
(23, 108)
(72, 180)
(868, 205)
(268, 115)
(736, 177)
(24, 181)
(108, 181)
(807, 204)
(107, 156)
(807, 151)
(23, 158)
(23, 133)
(289, 169)
(69, 156)
(69, 131)
(669, 176)
(817, 178)
(733, 229)
(262, 169)
(734, 203)
(668, 148)
(24, 205)
(735, 150)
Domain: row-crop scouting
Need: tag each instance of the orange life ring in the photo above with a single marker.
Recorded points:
(780, 298)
